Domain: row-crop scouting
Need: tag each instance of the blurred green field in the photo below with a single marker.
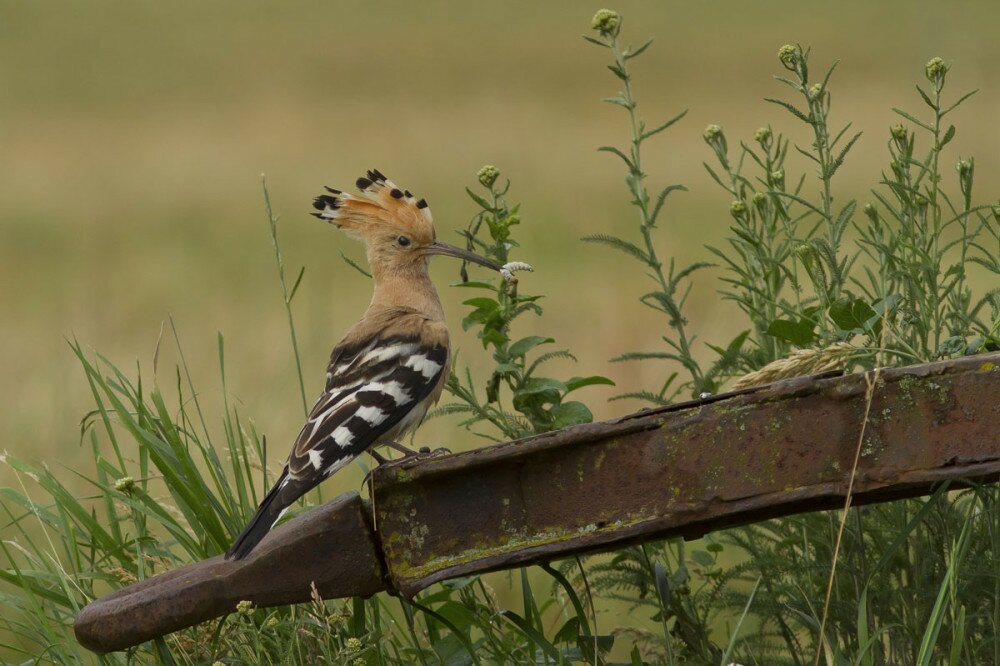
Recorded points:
(133, 136)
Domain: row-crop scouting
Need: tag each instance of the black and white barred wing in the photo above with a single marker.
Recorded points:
(376, 391)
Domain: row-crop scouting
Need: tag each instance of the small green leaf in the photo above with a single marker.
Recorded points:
(912, 119)
(948, 136)
(588, 643)
(524, 345)
(619, 100)
(628, 55)
(612, 149)
(483, 203)
(619, 72)
(532, 634)
(298, 281)
(843, 153)
(791, 109)
(660, 128)
(474, 284)
(569, 632)
(799, 333)
(541, 384)
(493, 337)
(570, 413)
(579, 382)
(851, 314)
(702, 558)
(482, 303)
(618, 244)
(355, 265)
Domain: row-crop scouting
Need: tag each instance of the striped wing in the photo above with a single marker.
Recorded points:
(372, 390)
(380, 382)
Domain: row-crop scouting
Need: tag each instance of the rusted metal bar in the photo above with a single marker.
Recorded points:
(331, 546)
(682, 470)
(688, 469)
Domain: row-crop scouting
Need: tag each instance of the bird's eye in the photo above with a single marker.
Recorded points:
(403, 241)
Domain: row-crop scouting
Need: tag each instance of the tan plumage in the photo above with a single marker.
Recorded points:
(391, 366)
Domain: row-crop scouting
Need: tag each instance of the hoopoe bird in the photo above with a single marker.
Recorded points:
(392, 365)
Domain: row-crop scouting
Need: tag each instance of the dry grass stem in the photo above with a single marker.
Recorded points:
(800, 363)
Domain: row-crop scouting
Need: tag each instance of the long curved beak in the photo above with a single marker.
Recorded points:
(437, 247)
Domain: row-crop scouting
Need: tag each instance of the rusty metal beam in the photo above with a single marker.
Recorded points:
(682, 470)
(331, 546)
(688, 469)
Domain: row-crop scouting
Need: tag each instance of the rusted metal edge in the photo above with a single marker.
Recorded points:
(686, 469)
(331, 546)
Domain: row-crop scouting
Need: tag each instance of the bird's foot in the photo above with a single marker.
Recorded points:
(405, 450)
(427, 452)
(422, 451)
(379, 458)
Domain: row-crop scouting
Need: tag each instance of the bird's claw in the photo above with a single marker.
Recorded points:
(422, 452)
(440, 451)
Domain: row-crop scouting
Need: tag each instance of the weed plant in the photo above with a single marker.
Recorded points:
(808, 272)
(537, 404)
(916, 581)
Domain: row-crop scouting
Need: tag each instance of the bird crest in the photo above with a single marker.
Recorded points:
(383, 207)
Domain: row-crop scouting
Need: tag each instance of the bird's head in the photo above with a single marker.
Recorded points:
(396, 227)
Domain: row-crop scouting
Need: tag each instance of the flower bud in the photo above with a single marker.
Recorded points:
(935, 71)
(871, 212)
(966, 170)
(606, 21)
(488, 175)
(789, 56)
(244, 607)
(125, 485)
(816, 91)
(716, 139)
(738, 209)
(353, 644)
(805, 252)
(899, 137)
(898, 167)
(777, 178)
(762, 136)
(760, 202)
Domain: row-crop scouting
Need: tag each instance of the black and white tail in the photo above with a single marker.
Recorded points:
(282, 495)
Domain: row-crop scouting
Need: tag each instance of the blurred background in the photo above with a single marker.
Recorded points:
(133, 137)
